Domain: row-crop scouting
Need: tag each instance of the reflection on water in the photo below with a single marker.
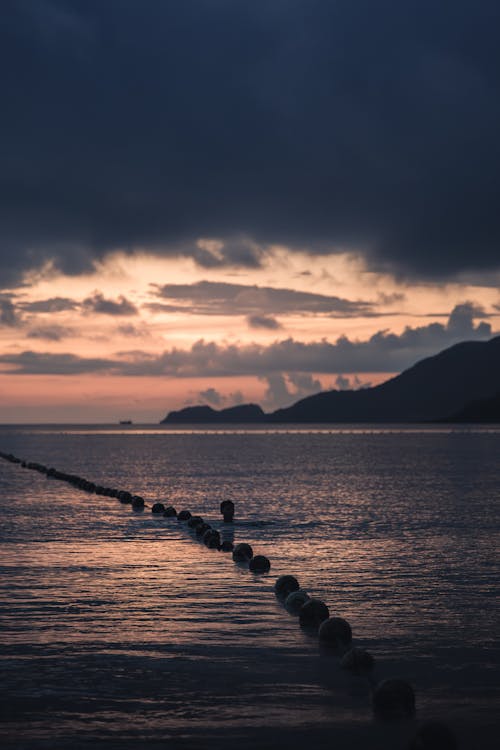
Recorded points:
(120, 627)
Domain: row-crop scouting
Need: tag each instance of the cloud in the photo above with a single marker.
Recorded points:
(51, 333)
(132, 331)
(8, 314)
(212, 396)
(284, 389)
(222, 298)
(324, 126)
(47, 363)
(263, 321)
(98, 304)
(382, 352)
(51, 305)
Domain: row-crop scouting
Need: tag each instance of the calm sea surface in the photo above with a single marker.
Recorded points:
(120, 630)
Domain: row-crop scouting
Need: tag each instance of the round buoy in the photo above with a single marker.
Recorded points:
(184, 515)
(211, 538)
(137, 502)
(313, 613)
(227, 546)
(194, 521)
(357, 660)
(123, 496)
(170, 512)
(335, 633)
(393, 699)
(285, 585)
(259, 564)
(242, 552)
(158, 508)
(201, 529)
(434, 735)
(227, 510)
(296, 600)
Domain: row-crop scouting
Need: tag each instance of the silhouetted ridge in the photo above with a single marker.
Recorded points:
(202, 414)
(481, 410)
(432, 389)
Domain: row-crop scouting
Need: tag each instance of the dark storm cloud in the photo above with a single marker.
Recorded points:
(221, 298)
(97, 303)
(319, 124)
(382, 352)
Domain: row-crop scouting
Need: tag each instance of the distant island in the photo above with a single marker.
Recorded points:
(459, 384)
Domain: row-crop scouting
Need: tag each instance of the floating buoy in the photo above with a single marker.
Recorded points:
(259, 564)
(242, 552)
(201, 528)
(158, 508)
(313, 613)
(285, 585)
(184, 515)
(211, 538)
(137, 502)
(393, 699)
(335, 633)
(227, 546)
(123, 496)
(296, 600)
(227, 510)
(357, 660)
(194, 521)
(434, 735)
(170, 512)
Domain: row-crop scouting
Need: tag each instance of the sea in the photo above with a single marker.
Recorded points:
(120, 630)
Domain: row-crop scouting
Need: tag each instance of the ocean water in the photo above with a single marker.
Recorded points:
(120, 630)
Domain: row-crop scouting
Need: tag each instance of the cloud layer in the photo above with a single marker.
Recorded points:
(320, 125)
(382, 352)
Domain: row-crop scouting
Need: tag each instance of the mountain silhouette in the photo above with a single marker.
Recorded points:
(481, 410)
(433, 389)
(203, 414)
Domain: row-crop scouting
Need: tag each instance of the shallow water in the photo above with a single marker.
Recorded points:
(119, 629)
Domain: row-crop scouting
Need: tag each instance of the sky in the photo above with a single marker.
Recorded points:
(223, 201)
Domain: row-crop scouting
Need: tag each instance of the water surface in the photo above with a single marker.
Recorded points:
(120, 630)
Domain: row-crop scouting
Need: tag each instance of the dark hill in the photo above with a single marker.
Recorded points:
(202, 414)
(432, 389)
(482, 410)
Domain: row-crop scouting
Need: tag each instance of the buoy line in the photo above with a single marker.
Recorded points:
(392, 699)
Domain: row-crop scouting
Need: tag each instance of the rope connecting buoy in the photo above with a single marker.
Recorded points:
(393, 699)
(434, 735)
(158, 508)
(184, 515)
(285, 585)
(259, 564)
(242, 552)
(358, 661)
(313, 613)
(295, 601)
(335, 633)
(170, 512)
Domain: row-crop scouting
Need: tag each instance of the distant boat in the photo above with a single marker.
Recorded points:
(125, 421)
